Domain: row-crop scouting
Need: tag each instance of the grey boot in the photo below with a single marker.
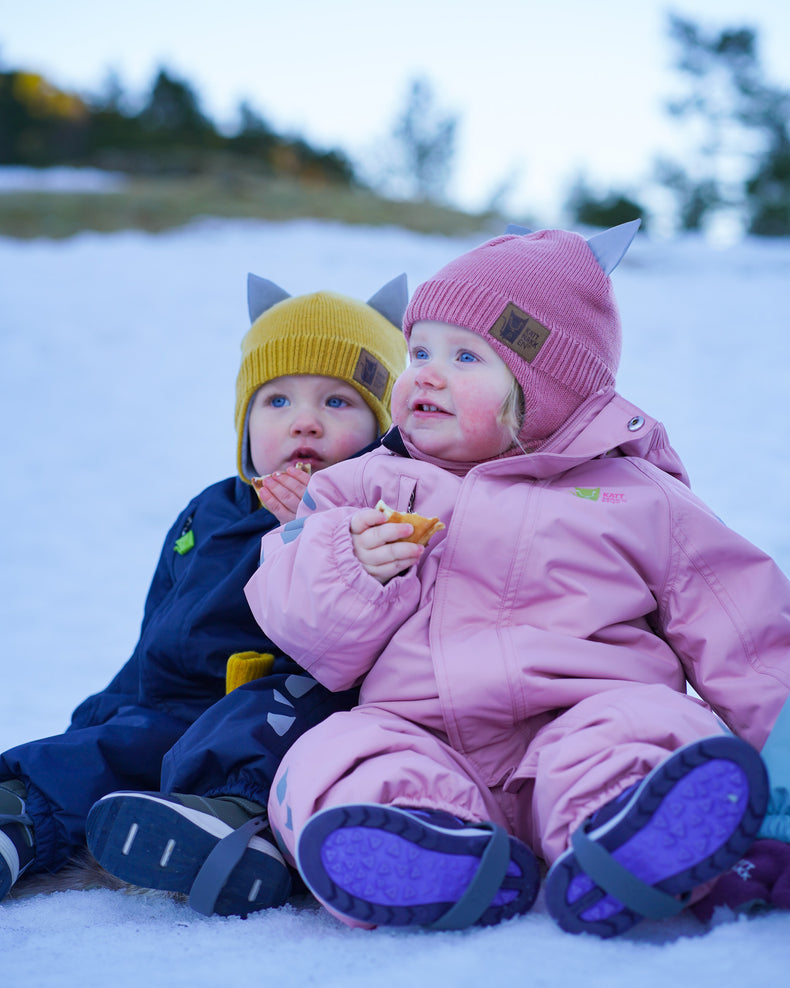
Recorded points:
(212, 849)
(16, 834)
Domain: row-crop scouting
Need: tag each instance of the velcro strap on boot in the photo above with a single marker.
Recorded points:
(216, 869)
(484, 886)
(599, 865)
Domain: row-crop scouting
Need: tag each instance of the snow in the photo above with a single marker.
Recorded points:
(19, 178)
(117, 366)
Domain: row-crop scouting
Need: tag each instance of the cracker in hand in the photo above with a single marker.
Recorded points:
(257, 482)
(424, 527)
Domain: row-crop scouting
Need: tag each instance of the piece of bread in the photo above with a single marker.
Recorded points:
(424, 527)
(257, 482)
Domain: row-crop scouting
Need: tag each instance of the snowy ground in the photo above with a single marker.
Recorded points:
(18, 178)
(118, 355)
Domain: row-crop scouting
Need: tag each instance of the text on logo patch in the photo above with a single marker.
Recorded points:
(520, 332)
(371, 373)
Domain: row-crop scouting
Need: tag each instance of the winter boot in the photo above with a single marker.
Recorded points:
(641, 854)
(16, 834)
(213, 850)
(390, 866)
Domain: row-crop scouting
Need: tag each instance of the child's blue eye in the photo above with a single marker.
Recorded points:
(466, 357)
(419, 353)
(336, 402)
(279, 401)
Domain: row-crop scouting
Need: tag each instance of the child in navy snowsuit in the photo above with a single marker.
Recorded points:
(313, 388)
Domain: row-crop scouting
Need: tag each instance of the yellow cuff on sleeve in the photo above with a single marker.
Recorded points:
(243, 667)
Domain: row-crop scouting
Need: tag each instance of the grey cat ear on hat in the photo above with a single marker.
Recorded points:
(391, 300)
(609, 247)
(521, 231)
(262, 294)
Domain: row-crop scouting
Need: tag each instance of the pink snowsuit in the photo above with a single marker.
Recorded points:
(534, 662)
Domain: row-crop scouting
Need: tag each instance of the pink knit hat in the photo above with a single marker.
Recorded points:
(545, 303)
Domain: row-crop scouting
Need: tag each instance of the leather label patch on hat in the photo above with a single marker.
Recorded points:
(520, 332)
(371, 374)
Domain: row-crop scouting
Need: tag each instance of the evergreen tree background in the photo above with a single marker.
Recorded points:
(41, 125)
(739, 162)
(738, 124)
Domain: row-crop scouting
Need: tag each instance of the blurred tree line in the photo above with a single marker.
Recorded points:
(738, 126)
(41, 125)
(739, 162)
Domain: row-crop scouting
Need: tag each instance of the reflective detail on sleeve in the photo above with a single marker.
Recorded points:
(280, 723)
(292, 529)
(308, 501)
(282, 785)
(282, 699)
(297, 686)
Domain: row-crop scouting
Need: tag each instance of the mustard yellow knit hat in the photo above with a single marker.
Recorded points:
(325, 334)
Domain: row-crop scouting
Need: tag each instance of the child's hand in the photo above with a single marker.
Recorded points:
(376, 545)
(281, 493)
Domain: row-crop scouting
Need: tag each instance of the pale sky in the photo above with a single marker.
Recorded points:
(544, 90)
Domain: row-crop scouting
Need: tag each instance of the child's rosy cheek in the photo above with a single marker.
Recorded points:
(400, 394)
(477, 406)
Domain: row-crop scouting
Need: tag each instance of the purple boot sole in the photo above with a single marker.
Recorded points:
(688, 821)
(393, 867)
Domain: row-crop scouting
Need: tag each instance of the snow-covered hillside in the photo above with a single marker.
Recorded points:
(118, 355)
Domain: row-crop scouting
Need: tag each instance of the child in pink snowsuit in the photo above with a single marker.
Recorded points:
(524, 676)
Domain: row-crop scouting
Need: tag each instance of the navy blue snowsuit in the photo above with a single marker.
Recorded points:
(164, 723)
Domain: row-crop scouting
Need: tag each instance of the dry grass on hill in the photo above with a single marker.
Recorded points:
(156, 204)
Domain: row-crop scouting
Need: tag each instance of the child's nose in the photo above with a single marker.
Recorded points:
(430, 375)
(306, 422)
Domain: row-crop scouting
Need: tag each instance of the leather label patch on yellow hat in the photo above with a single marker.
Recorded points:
(371, 374)
(520, 332)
